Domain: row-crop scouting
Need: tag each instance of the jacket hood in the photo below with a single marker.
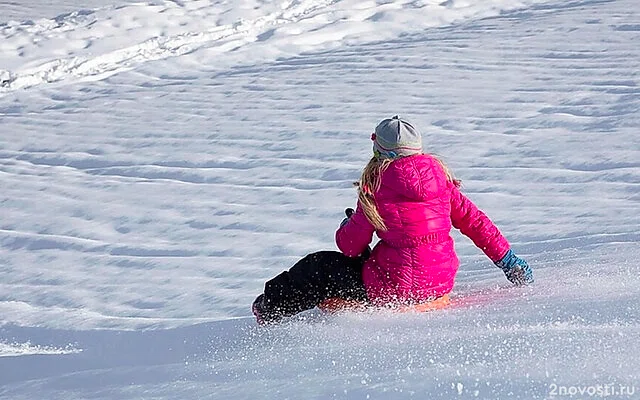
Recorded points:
(412, 177)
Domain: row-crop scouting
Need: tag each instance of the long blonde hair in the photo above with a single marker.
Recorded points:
(370, 181)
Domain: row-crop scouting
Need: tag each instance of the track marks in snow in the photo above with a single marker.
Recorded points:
(91, 45)
(100, 33)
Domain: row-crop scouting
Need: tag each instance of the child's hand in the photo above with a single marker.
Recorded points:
(348, 212)
(516, 269)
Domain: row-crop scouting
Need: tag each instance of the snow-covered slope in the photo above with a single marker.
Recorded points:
(93, 44)
(159, 162)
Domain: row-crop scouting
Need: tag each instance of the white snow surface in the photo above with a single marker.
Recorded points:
(160, 161)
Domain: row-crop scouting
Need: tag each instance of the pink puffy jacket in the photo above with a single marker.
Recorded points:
(415, 258)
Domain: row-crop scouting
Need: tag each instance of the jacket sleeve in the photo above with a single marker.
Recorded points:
(474, 224)
(353, 237)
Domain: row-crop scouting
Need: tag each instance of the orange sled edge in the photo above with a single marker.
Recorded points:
(336, 304)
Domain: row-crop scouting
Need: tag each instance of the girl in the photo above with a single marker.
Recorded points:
(410, 200)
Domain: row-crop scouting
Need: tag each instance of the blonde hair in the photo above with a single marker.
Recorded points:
(447, 171)
(370, 182)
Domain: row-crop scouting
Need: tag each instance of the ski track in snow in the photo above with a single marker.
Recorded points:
(90, 45)
(147, 197)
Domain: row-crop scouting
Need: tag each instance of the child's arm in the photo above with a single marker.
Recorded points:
(474, 224)
(354, 236)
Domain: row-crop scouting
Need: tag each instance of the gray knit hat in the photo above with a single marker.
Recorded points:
(395, 138)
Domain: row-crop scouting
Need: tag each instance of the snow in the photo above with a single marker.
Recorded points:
(159, 161)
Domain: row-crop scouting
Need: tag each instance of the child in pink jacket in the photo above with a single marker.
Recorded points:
(411, 201)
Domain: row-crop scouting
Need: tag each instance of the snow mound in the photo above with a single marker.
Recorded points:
(28, 348)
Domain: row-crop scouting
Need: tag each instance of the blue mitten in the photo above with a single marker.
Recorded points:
(516, 269)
